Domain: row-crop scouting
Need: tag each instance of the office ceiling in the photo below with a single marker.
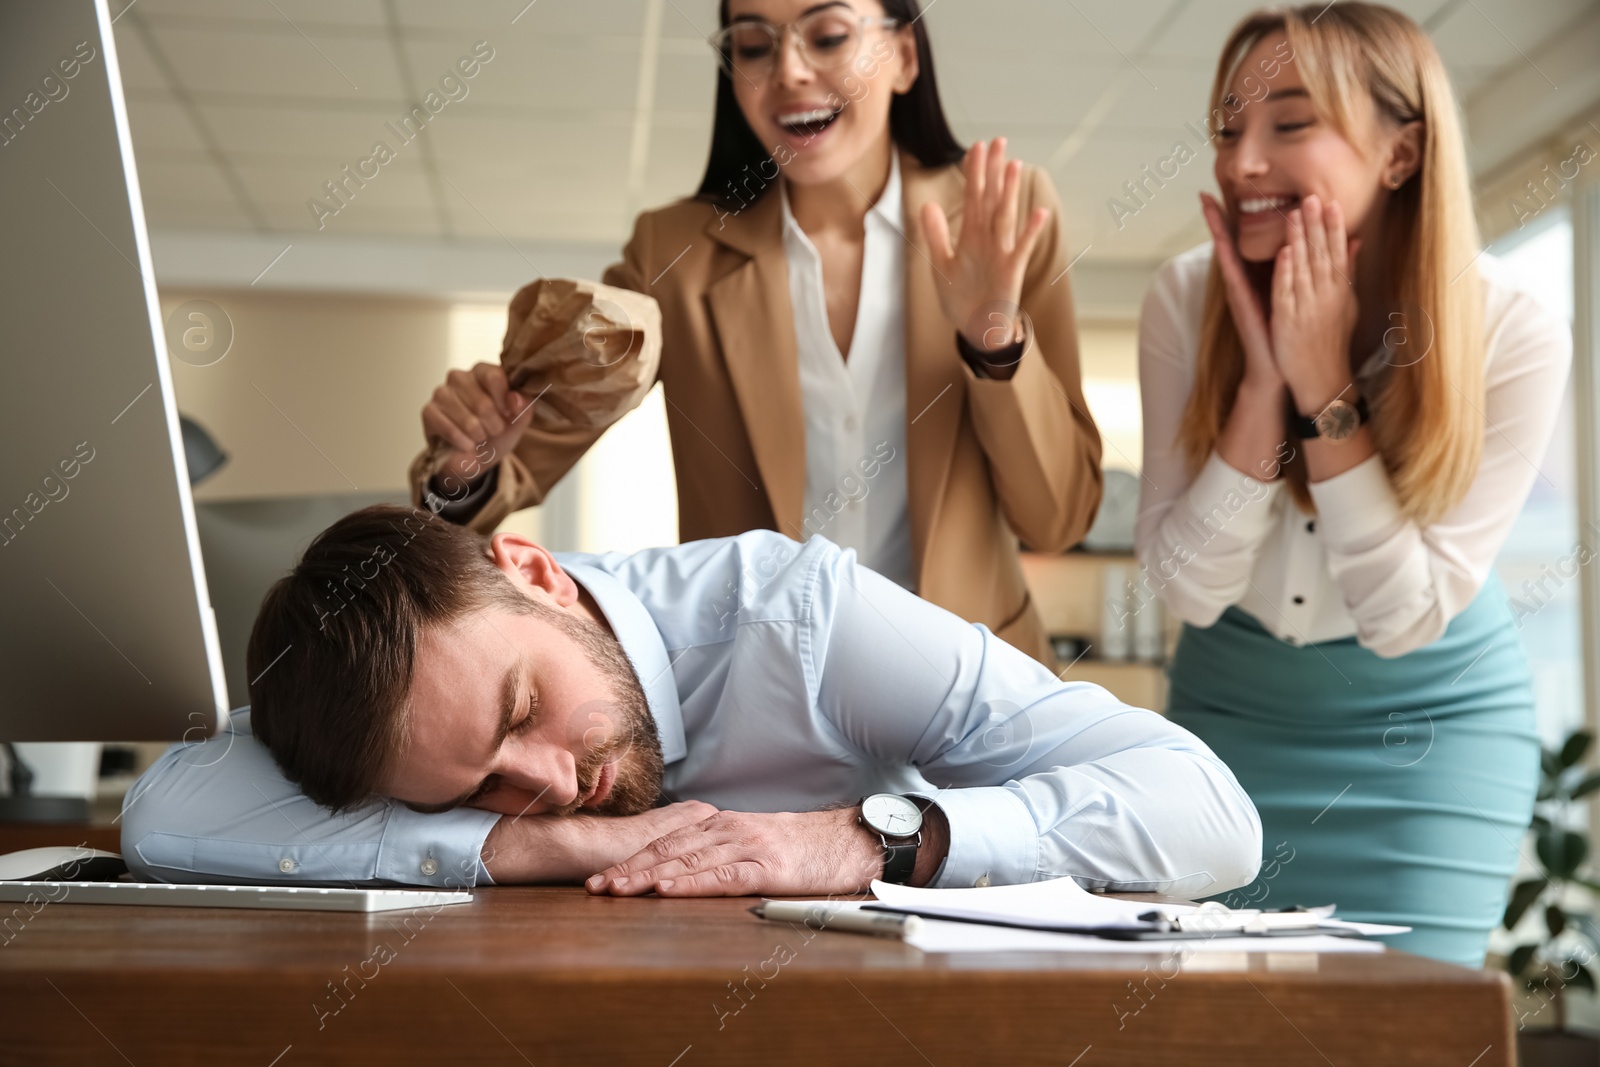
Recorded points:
(590, 110)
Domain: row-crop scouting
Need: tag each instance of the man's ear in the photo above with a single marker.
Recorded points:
(532, 569)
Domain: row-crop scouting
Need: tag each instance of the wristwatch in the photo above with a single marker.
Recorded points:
(997, 363)
(1335, 422)
(897, 821)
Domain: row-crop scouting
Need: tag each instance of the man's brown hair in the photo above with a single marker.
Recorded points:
(334, 645)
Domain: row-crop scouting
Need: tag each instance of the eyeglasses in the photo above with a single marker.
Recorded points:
(827, 39)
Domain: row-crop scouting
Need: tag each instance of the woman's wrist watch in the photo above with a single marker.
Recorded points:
(1338, 420)
(999, 362)
(897, 821)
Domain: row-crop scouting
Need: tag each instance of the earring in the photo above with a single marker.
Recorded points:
(1394, 181)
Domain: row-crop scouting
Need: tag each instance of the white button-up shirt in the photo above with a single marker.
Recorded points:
(855, 409)
(1358, 566)
(781, 677)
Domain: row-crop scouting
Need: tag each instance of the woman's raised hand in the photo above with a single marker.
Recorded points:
(1249, 319)
(477, 414)
(1314, 305)
(980, 288)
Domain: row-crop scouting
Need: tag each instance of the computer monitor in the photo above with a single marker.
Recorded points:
(106, 629)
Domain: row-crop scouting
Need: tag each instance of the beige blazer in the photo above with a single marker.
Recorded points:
(988, 462)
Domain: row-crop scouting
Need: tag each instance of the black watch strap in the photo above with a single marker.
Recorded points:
(899, 860)
(1305, 426)
(981, 362)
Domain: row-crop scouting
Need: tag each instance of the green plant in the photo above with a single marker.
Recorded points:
(1572, 942)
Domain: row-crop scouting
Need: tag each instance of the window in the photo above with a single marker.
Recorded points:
(1546, 533)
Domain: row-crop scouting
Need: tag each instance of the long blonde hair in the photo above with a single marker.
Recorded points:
(1427, 416)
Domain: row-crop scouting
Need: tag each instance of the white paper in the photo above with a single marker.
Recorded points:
(960, 937)
(1063, 902)
(1056, 902)
(938, 936)
(1365, 929)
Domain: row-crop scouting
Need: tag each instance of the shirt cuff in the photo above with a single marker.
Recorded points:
(992, 835)
(458, 507)
(1247, 501)
(1357, 506)
(441, 849)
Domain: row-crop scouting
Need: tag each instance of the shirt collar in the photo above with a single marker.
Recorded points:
(647, 653)
(887, 207)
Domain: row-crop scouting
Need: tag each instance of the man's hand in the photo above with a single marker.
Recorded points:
(569, 848)
(738, 853)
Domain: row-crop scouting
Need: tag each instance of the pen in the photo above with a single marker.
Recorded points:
(822, 917)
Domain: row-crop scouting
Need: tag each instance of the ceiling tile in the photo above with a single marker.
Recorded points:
(532, 19)
(1495, 32)
(190, 214)
(692, 18)
(538, 148)
(400, 185)
(303, 13)
(1065, 31)
(279, 61)
(159, 125)
(177, 179)
(139, 71)
(336, 136)
(687, 82)
(1034, 90)
(469, 143)
(529, 73)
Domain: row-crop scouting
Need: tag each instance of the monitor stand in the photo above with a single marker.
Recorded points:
(23, 806)
(32, 809)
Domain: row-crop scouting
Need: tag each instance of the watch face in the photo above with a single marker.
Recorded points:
(1338, 420)
(891, 815)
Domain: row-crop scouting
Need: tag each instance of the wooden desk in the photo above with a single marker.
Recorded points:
(555, 978)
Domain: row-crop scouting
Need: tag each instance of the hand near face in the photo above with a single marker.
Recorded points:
(737, 853)
(1314, 305)
(983, 271)
(1249, 318)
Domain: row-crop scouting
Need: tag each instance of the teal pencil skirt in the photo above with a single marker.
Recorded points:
(1398, 789)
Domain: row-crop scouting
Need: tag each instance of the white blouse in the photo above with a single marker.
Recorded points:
(855, 409)
(1358, 566)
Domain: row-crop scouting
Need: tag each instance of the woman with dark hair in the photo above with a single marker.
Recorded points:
(866, 332)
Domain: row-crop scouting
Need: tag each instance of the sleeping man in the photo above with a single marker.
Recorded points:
(749, 715)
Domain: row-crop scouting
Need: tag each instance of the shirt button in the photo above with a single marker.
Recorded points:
(981, 882)
(1299, 600)
(430, 866)
(286, 865)
(1293, 641)
(1311, 527)
(850, 423)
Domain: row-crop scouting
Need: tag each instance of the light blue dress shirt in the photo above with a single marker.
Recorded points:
(782, 677)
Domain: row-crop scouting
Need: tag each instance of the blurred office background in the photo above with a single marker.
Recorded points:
(306, 339)
(307, 332)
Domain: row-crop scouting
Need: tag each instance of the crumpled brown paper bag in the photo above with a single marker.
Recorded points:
(586, 353)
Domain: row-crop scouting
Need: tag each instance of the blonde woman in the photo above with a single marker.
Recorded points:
(1344, 403)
